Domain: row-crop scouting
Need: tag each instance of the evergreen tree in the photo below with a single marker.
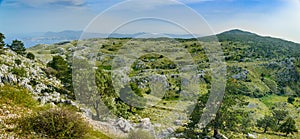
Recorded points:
(18, 47)
(288, 127)
(58, 63)
(279, 115)
(226, 119)
(229, 118)
(105, 94)
(63, 72)
(2, 44)
(266, 123)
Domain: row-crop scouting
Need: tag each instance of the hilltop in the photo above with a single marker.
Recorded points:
(252, 46)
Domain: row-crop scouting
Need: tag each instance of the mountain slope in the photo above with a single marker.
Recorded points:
(266, 70)
(28, 90)
(257, 47)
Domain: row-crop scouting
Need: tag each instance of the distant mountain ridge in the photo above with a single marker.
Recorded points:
(33, 39)
(236, 35)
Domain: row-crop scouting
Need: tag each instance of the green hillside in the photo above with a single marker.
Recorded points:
(262, 84)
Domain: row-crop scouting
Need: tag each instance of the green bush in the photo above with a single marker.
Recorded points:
(21, 72)
(60, 68)
(140, 134)
(18, 61)
(54, 123)
(30, 56)
(136, 89)
(290, 100)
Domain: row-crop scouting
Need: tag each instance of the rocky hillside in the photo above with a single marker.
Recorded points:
(262, 80)
(30, 74)
(264, 71)
(28, 89)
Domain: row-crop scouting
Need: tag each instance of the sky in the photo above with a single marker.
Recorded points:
(277, 18)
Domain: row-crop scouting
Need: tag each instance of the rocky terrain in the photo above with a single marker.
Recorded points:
(146, 86)
(30, 74)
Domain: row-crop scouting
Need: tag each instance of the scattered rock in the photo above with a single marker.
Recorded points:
(124, 125)
(178, 122)
(251, 136)
(145, 123)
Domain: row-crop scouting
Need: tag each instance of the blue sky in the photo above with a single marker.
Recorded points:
(278, 18)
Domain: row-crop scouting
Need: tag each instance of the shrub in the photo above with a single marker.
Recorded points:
(54, 123)
(290, 100)
(30, 56)
(19, 72)
(50, 71)
(18, 61)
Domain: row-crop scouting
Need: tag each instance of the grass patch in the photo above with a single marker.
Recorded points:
(92, 134)
(271, 100)
(140, 134)
(16, 96)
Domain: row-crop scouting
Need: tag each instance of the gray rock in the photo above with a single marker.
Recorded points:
(145, 123)
(170, 130)
(240, 76)
(251, 136)
(124, 125)
(87, 112)
(178, 122)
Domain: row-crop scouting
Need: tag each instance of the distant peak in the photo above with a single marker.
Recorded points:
(238, 32)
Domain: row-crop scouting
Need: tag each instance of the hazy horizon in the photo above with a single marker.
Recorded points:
(275, 18)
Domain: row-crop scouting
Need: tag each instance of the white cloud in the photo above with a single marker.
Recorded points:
(193, 1)
(38, 3)
(138, 5)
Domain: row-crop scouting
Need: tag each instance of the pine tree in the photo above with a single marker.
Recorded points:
(18, 47)
(288, 127)
(2, 44)
(266, 123)
(62, 72)
(226, 119)
(279, 115)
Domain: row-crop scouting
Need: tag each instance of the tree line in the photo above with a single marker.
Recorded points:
(16, 46)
